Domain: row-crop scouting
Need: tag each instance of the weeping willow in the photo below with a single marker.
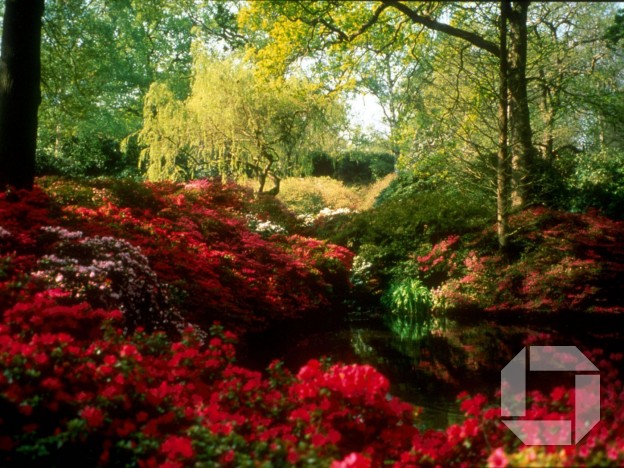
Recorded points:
(235, 122)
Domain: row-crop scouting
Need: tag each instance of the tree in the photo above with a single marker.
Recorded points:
(503, 162)
(20, 95)
(395, 78)
(235, 122)
(575, 78)
(523, 150)
(99, 59)
(328, 25)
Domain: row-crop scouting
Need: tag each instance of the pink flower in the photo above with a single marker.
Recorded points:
(353, 460)
(498, 459)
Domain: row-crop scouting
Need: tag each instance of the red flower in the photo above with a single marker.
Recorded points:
(6, 443)
(473, 405)
(93, 416)
(228, 456)
(26, 410)
(176, 445)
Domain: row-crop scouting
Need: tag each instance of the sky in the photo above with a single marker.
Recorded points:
(366, 112)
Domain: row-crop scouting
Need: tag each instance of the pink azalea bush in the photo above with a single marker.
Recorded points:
(561, 262)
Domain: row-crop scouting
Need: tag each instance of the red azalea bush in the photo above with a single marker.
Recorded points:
(78, 381)
(560, 262)
(196, 241)
(73, 386)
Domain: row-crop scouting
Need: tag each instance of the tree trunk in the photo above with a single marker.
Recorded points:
(20, 93)
(548, 119)
(503, 167)
(523, 150)
(521, 135)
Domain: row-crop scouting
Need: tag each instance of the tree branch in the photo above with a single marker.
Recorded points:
(344, 37)
(427, 22)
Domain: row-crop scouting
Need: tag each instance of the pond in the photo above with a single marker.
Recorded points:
(467, 355)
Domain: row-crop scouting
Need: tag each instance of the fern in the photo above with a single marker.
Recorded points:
(409, 303)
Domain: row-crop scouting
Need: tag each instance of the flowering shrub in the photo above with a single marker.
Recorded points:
(71, 384)
(564, 262)
(77, 381)
(107, 272)
(266, 227)
(197, 241)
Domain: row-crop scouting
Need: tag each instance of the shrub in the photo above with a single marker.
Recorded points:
(73, 387)
(355, 167)
(562, 262)
(310, 195)
(409, 304)
(598, 182)
(195, 238)
(107, 273)
(392, 231)
(371, 193)
(87, 156)
(362, 167)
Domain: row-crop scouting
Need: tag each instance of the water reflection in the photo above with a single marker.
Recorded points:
(432, 371)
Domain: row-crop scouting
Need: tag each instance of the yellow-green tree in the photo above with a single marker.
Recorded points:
(237, 122)
(343, 27)
(484, 97)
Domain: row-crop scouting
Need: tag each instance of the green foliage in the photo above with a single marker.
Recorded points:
(126, 193)
(353, 167)
(615, 33)
(99, 59)
(578, 181)
(598, 182)
(362, 167)
(409, 305)
(235, 122)
(411, 184)
(407, 217)
(440, 97)
(86, 156)
(410, 216)
(302, 196)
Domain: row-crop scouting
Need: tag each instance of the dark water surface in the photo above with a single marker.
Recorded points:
(467, 355)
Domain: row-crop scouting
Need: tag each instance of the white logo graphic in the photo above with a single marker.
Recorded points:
(586, 395)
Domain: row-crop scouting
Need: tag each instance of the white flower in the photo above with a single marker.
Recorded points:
(62, 233)
(264, 227)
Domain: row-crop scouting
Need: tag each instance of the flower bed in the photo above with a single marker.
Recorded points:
(75, 386)
(99, 363)
(189, 246)
(561, 262)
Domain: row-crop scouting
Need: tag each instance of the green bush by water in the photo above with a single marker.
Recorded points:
(409, 305)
